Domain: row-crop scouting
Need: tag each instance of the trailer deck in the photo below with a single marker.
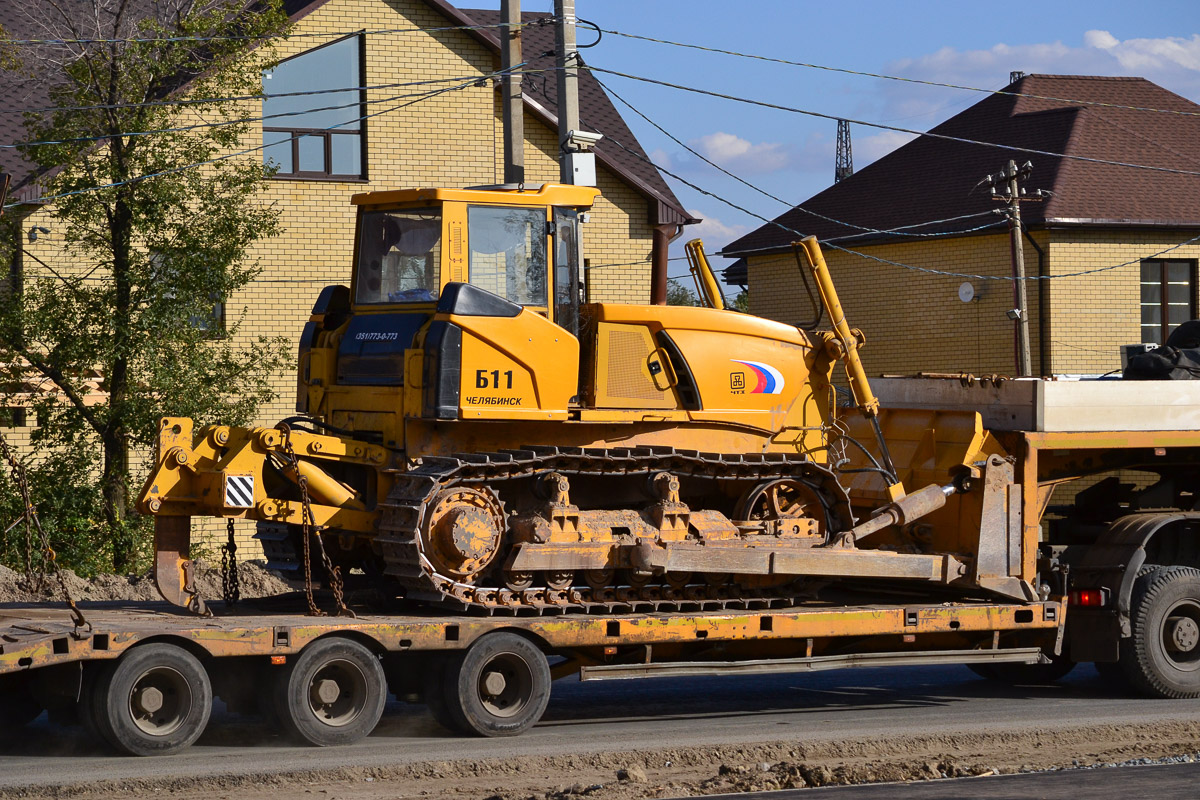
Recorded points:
(35, 636)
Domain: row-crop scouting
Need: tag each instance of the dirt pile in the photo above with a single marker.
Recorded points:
(255, 581)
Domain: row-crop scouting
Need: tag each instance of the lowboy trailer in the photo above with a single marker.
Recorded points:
(1112, 579)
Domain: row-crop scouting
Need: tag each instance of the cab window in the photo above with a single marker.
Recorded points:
(508, 252)
(399, 256)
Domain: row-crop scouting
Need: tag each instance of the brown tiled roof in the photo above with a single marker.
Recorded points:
(929, 179)
(596, 109)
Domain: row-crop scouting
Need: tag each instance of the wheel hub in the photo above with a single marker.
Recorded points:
(159, 701)
(465, 530)
(326, 691)
(494, 683)
(149, 699)
(1183, 634)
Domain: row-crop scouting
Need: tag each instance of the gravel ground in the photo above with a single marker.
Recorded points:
(683, 772)
(255, 580)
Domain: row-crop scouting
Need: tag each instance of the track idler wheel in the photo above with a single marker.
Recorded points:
(463, 532)
(787, 507)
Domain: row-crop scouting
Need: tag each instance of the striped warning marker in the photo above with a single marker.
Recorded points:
(239, 491)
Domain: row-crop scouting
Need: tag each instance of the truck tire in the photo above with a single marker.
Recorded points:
(333, 693)
(154, 700)
(498, 687)
(1162, 657)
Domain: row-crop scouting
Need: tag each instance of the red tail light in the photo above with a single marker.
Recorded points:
(1089, 597)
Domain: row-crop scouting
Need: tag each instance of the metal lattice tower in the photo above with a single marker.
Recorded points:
(844, 166)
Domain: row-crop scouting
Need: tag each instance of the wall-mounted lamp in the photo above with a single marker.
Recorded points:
(35, 230)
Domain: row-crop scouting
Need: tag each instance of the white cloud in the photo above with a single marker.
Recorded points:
(742, 156)
(715, 233)
(871, 148)
(1172, 62)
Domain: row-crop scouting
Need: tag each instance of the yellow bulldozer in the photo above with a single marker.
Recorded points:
(471, 433)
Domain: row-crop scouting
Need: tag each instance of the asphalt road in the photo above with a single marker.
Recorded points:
(630, 715)
(1169, 782)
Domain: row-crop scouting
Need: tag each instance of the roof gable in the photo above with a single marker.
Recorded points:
(597, 111)
(931, 179)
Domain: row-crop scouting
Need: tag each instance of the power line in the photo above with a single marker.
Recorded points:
(829, 243)
(258, 96)
(930, 134)
(247, 151)
(714, 165)
(243, 120)
(862, 73)
(337, 35)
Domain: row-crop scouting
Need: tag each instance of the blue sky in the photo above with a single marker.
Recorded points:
(792, 156)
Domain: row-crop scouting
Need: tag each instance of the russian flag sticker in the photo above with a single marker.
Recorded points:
(770, 380)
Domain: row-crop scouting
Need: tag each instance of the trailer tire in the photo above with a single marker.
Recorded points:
(333, 693)
(498, 687)
(1162, 657)
(154, 700)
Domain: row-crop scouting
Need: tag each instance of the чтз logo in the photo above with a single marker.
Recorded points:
(770, 380)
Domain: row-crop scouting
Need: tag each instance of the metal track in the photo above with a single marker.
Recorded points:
(403, 514)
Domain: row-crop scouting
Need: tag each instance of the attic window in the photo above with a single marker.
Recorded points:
(312, 115)
(1168, 296)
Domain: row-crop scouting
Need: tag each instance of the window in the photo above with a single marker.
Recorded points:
(1168, 296)
(308, 135)
(508, 252)
(212, 320)
(399, 256)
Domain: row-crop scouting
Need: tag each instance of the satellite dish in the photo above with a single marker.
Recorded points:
(966, 292)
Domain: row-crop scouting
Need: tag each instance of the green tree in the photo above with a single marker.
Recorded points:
(741, 302)
(157, 244)
(680, 295)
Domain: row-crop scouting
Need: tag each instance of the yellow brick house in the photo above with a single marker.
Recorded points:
(1112, 249)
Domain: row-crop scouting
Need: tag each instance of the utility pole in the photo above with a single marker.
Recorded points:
(577, 162)
(1009, 180)
(566, 60)
(512, 107)
(843, 166)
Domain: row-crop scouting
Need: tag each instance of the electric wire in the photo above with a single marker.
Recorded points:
(183, 102)
(718, 167)
(881, 126)
(887, 261)
(540, 21)
(174, 170)
(881, 76)
(263, 118)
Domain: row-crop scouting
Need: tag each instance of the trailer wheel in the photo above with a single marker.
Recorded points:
(499, 687)
(332, 693)
(1162, 657)
(154, 700)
